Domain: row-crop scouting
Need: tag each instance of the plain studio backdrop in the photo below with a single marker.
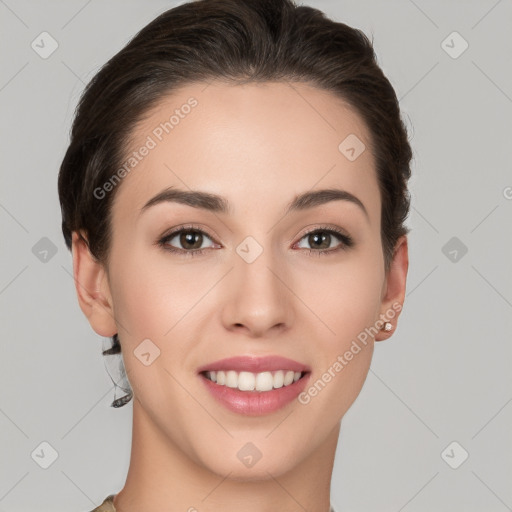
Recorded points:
(431, 427)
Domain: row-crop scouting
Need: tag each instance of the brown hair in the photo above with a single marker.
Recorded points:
(237, 41)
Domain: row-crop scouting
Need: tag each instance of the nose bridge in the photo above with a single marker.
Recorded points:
(258, 298)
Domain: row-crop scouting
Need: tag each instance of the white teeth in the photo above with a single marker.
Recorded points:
(247, 381)
(231, 379)
(264, 381)
(288, 378)
(279, 379)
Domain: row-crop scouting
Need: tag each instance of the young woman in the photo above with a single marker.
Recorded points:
(234, 195)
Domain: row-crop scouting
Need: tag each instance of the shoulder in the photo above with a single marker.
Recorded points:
(107, 505)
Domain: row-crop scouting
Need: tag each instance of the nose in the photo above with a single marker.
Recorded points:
(258, 298)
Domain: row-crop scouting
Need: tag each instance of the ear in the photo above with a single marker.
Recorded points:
(92, 287)
(393, 291)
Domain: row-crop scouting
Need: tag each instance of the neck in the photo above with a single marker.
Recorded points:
(169, 475)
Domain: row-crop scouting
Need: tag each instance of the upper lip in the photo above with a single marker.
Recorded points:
(255, 364)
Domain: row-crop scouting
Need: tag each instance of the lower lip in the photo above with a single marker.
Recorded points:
(255, 403)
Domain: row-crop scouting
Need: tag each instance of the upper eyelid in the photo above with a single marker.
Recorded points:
(178, 230)
(337, 230)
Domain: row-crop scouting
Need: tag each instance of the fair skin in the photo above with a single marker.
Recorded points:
(257, 145)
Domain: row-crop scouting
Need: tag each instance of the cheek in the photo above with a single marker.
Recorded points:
(351, 299)
(345, 296)
(346, 301)
(153, 300)
(150, 294)
(348, 307)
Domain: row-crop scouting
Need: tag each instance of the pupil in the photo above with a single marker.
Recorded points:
(319, 237)
(188, 238)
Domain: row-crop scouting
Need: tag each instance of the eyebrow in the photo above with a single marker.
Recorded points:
(219, 204)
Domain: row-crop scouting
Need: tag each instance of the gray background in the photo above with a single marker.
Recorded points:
(444, 376)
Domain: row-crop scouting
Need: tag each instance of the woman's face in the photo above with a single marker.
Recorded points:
(262, 286)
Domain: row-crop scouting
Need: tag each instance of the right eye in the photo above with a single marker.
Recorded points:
(190, 238)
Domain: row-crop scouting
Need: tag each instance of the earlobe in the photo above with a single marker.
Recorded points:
(92, 288)
(394, 290)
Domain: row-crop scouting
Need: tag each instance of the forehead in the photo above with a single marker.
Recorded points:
(248, 143)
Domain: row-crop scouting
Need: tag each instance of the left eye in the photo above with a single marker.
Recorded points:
(322, 238)
(190, 239)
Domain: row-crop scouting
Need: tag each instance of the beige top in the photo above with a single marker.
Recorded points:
(108, 505)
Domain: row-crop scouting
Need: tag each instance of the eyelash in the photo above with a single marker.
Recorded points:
(346, 241)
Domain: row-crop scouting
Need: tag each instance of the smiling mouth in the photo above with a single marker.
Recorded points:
(256, 382)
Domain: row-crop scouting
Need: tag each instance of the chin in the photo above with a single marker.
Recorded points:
(248, 463)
